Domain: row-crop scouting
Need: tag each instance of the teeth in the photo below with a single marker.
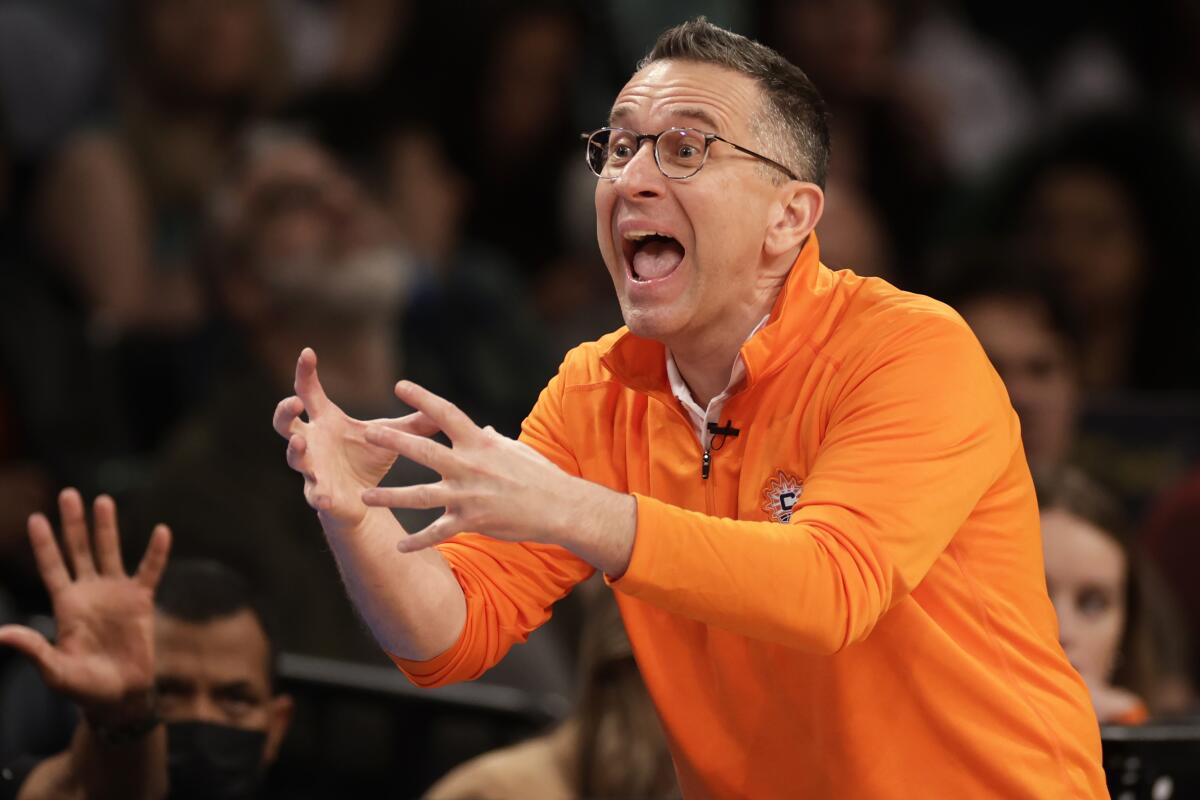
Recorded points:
(638, 236)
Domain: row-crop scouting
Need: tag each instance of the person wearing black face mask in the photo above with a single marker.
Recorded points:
(215, 684)
(177, 701)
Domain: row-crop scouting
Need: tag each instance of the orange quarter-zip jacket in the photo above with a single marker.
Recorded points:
(852, 603)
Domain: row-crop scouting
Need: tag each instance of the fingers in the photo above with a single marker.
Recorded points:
(286, 414)
(426, 495)
(438, 531)
(75, 533)
(308, 385)
(154, 561)
(426, 452)
(108, 544)
(47, 555)
(442, 412)
(296, 449)
(416, 423)
(33, 645)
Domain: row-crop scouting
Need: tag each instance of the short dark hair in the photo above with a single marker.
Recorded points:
(794, 118)
(201, 590)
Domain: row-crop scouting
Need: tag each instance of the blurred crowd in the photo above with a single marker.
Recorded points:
(193, 190)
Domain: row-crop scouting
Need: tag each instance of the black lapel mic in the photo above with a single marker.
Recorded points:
(716, 429)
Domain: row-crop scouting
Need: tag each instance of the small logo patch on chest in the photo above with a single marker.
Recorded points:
(781, 492)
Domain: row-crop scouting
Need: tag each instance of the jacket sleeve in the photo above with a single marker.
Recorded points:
(916, 434)
(509, 586)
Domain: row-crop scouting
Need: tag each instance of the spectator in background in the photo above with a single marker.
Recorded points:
(1107, 207)
(225, 715)
(611, 747)
(1031, 341)
(197, 657)
(1115, 624)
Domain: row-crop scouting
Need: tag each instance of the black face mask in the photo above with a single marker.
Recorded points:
(217, 762)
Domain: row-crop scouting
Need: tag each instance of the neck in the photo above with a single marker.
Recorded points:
(706, 360)
(359, 361)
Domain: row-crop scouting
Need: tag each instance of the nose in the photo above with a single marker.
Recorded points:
(205, 709)
(641, 177)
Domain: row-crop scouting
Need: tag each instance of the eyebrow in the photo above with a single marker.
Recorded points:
(170, 683)
(622, 112)
(238, 687)
(618, 114)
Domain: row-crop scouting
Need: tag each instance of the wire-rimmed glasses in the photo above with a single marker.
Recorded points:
(679, 152)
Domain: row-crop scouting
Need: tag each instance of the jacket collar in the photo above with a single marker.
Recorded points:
(640, 363)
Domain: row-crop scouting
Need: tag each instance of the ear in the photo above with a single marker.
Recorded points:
(796, 212)
(281, 708)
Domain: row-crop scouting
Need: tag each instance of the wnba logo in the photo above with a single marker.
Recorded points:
(781, 493)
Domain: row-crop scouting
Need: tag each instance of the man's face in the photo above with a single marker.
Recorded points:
(718, 218)
(217, 672)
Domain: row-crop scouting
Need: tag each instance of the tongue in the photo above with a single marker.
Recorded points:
(657, 259)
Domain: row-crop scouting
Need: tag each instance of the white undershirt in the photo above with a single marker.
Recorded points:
(701, 417)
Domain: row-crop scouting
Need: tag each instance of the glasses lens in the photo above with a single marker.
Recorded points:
(609, 150)
(597, 151)
(681, 152)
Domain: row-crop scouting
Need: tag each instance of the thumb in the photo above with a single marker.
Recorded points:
(36, 647)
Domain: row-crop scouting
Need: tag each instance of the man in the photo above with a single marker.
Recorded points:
(202, 664)
(806, 488)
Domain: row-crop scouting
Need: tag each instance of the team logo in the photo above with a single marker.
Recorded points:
(781, 493)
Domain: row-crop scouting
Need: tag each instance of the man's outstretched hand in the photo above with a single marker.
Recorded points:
(104, 653)
(500, 487)
(490, 484)
(331, 449)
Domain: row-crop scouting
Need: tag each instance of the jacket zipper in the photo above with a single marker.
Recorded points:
(705, 464)
(710, 489)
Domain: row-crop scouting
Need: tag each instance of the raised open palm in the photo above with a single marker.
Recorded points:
(331, 450)
(104, 651)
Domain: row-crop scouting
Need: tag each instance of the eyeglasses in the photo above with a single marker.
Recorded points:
(678, 152)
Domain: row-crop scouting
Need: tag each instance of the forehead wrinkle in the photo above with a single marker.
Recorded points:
(698, 115)
(685, 95)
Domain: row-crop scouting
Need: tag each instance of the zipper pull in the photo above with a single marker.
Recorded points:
(706, 464)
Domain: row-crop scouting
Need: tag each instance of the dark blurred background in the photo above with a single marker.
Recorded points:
(192, 190)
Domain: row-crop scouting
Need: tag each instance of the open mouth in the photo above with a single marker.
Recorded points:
(651, 255)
